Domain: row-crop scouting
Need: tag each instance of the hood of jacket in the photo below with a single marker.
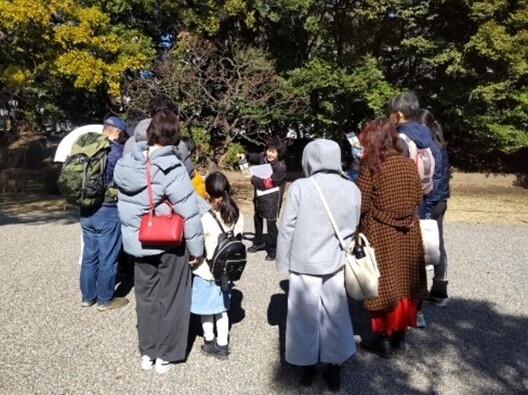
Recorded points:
(135, 180)
(418, 133)
(140, 132)
(321, 156)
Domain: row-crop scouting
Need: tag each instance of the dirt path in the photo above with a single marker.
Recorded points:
(475, 197)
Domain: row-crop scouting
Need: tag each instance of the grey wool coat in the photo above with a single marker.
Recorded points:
(169, 180)
(306, 242)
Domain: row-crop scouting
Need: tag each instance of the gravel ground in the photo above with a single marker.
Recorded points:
(50, 345)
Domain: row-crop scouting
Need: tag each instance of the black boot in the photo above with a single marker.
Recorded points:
(379, 345)
(333, 377)
(397, 342)
(308, 375)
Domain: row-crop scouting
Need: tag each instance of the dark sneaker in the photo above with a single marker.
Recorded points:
(87, 303)
(332, 375)
(439, 302)
(269, 258)
(257, 247)
(308, 375)
(115, 303)
(214, 350)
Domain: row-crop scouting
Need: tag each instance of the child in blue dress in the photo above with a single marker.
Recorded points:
(208, 299)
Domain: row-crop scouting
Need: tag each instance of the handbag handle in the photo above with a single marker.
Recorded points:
(332, 220)
(149, 190)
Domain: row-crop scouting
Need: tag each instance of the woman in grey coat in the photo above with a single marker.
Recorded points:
(162, 277)
(318, 326)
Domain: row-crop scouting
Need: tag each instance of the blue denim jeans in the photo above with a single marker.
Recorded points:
(101, 231)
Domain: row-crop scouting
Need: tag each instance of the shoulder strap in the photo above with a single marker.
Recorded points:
(217, 221)
(332, 220)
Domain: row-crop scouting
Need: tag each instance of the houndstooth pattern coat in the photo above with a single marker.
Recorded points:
(389, 218)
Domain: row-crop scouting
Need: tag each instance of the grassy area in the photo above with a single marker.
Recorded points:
(474, 198)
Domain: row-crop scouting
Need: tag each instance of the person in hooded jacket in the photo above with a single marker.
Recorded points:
(162, 276)
(318, 326)
(267, 199)
(403, 109)
(160, 103)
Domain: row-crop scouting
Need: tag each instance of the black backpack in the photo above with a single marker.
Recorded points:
(229, 257)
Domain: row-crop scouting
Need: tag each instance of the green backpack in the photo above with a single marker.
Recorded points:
(81, 180)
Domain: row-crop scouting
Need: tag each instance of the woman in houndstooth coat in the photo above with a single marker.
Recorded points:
(391, 194)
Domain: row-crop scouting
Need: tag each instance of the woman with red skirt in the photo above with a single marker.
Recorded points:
(390, 196)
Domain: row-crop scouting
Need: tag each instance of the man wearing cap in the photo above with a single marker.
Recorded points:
(101, 230)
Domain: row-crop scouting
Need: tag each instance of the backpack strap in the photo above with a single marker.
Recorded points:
(217, 221)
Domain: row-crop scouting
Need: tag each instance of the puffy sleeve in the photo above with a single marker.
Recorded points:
(181, 194)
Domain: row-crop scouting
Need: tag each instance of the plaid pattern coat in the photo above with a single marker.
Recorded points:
(389, 218)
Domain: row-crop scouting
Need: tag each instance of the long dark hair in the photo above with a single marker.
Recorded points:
(426, 117)
(378, 137)
(217, 186)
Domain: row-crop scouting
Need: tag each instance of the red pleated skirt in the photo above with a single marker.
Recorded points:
(399, 319)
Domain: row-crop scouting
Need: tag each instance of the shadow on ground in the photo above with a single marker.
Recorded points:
(37, 218)
(484, 349)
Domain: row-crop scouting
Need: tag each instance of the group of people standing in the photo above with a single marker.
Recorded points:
(386, 204)
(170, 282)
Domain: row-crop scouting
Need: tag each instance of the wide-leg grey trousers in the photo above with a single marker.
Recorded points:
(163, 303)
(318, 324)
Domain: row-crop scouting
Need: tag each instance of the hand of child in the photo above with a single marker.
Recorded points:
(193, 260)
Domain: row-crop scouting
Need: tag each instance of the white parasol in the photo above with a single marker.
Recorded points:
(65, 146)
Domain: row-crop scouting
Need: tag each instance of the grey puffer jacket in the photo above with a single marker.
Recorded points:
(307, 243)
(140, 134)
(169, 180)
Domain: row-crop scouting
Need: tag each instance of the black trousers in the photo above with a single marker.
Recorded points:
(273, 231)
(439, 288)
(162, 285)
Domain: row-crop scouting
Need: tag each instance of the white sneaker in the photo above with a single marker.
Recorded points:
(162, 366)
(146, 362)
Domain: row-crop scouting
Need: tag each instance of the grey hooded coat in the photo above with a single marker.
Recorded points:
(307, 243)
(169, 180)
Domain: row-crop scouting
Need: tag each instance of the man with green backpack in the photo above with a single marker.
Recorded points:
(86, 180)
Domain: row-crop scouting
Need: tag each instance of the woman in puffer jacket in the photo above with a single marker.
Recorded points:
(162, 276)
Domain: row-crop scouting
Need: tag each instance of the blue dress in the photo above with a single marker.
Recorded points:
(208, 297)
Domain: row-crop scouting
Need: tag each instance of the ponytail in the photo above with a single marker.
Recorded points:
(217, 186)
(425, 117)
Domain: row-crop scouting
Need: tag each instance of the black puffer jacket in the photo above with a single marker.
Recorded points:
(268, 205)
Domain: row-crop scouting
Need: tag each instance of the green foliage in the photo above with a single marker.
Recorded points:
(229, 160)
(242, 70)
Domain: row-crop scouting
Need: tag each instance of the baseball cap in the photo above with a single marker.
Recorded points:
(116, 122)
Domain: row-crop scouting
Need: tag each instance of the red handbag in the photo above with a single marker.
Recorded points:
(155, 229)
